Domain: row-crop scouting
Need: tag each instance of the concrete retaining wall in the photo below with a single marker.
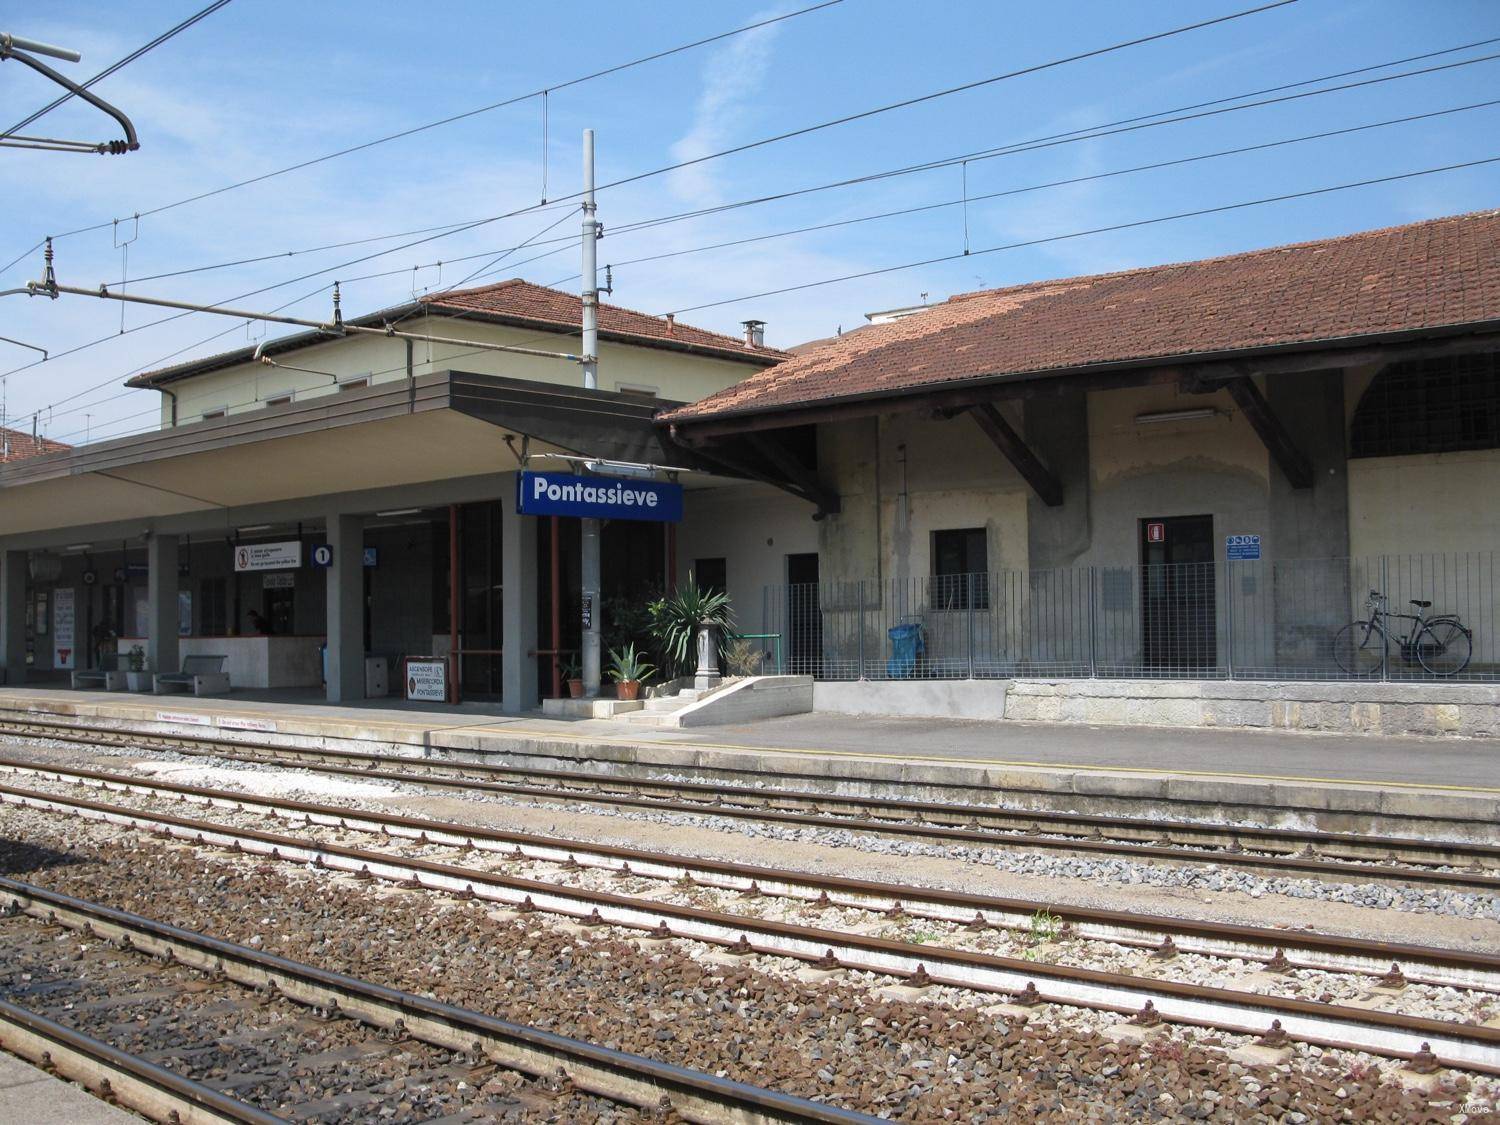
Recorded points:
(763, 697)
(1466, 710)
(1471, 710)
(949, 699)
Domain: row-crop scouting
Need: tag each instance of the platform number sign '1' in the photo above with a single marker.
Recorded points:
(322, 556)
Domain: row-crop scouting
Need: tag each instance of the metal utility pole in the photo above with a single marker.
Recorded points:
(590, 362)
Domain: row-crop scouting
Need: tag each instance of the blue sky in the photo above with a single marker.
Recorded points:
(263, 84)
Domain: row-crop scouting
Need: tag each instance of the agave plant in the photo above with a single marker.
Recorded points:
(675, 619)
(627, 666)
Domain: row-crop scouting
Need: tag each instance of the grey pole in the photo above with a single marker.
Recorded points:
(590, 536)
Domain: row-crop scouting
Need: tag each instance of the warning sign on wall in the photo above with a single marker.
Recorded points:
(63, 623)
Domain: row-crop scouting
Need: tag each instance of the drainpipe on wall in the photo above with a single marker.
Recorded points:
(173, 396)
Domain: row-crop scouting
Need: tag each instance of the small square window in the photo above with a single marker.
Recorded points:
(355, 384)
(637, 390)
(216, 412)
(278, 400)
(960, 569)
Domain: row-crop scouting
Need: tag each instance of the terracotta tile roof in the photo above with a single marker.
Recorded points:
(514, 302)
(1425, 275)
(14, 445)
(525, 303)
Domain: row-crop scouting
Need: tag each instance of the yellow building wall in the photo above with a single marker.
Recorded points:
(673, 375)
(1430, 502)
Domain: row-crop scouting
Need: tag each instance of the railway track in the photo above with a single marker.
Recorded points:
(1288, 949)
(1340, 857)
(1425, 1041)
(296, 1034)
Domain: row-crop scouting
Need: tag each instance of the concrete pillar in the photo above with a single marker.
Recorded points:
(518, 663)
(161, 597)
(13, 616)
(346, 609)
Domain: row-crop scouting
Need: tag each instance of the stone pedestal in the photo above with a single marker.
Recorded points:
(706, 675)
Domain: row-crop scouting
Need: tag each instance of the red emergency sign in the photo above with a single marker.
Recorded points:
(1156, 532)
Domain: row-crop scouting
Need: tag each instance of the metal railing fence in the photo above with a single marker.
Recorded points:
(1228, 620)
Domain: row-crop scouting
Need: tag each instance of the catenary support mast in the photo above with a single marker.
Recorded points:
(590, 536)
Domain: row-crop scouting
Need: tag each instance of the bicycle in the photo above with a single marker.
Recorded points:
(1441, 644)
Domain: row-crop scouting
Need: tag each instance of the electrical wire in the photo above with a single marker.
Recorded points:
(617, 68)
(1091, 132)
(1084, 233)
(124, 62)
(1241, 150)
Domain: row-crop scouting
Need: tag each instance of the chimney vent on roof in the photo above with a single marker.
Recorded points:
(671, 323)
(755, 333)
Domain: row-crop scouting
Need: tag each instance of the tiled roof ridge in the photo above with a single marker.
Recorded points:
(734, 342)
(1239, 255)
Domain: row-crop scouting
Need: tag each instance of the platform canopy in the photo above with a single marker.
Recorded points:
(436, 430)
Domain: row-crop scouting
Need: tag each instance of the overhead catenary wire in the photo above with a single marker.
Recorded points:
(776, 138)
(1091, 231)
(464, 115)
(1104, 129)
(119, 64)
(1155, 37)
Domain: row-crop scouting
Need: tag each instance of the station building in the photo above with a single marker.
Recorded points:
(393, 461)
(1190, 470)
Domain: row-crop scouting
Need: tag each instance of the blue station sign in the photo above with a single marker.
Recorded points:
(600, 498)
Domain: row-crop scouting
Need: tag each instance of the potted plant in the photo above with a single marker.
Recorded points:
(628, 670)
(573, 674)
(677, 618)
(136, 676)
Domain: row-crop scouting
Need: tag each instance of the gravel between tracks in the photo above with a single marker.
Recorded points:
(834, 1039)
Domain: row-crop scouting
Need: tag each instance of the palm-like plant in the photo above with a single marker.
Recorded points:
(675, 619)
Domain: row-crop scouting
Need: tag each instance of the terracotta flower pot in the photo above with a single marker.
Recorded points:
(575, 689)
(628, 689)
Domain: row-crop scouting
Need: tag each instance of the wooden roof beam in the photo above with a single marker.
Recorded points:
(1019, 454)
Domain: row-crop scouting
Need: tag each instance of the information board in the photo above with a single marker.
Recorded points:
(268, 556)
(64, 621)
(600, 498)
(427, 679)
(1239, 548)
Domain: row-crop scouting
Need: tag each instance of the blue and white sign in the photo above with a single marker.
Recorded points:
(322, 556)
(1242, 548)
(600, 498)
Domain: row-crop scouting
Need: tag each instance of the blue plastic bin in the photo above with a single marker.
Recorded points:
(907, 644)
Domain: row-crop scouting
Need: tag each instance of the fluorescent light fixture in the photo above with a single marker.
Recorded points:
(78, 547)
(623, 469)
(398, 512)
(254, 527)
(1176, 416)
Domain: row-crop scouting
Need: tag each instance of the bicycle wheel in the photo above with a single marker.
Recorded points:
(1358, 648)
(1444, 648)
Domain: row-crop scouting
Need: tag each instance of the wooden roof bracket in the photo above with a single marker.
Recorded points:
(1041, 479)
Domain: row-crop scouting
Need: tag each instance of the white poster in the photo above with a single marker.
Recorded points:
(268, 556)
(427, 680)
(63, 653)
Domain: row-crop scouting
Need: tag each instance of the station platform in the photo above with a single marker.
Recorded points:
(30, 1094)
(1337, 782)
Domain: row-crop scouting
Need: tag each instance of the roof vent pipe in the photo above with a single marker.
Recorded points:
(671, 323)
(755, 333)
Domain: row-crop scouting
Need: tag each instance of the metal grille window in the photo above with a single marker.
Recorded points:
(1430, 406)
(960, 562)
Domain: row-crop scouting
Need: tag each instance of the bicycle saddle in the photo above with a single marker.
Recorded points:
(1420, 605)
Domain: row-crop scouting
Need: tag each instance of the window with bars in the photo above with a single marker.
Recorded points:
(960, 565)
(1430, 406)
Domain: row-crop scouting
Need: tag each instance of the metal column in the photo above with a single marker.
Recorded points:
(590, 529)
(518, 585)
(346, 609)
(13, 616)
(161, 595)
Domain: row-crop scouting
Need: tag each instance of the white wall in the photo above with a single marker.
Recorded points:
(675, 375)
(754, 527)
